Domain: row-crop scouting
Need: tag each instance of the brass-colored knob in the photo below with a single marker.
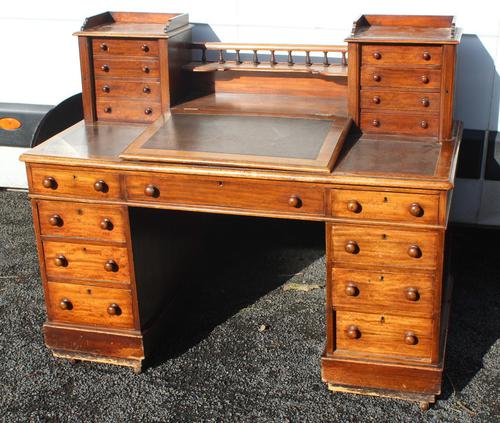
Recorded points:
(101, 186)
(49, 182)
(106, 89)
(376, 99)
(114, 310)
(146, 69)
(354, 206)
(425, 79)
(65, 304)
(411, 338)
(414, 251)
(295, 201)
(146, 90)
(424, 124)
(416, 210)
(61, 261)
(351, 290)
(377, 78)
(425, 102)
(55, 220)
(105, 68)
(412, 294)
(111, 266)
(106, 224)
(107, 109)
(148, 110)
(353, 332)
(151, 191)
(104, 47)
(426, 55)
(377, 55)
(376, 123)
(351, 247)
(145, 48)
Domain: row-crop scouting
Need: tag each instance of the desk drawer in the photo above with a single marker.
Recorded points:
(384, 334)
(376, 205)
(86, 261)
(422, 125)
(398, 293)
(79, 182)
(383, 246)
(415, 78)
(227, 193)
(106, 88)
(130, 111)
(61, 218)
(90, 305)
(106, 47)
(122, 68)
(383, 54)
(399, 100)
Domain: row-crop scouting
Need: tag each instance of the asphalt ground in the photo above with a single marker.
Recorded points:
(249, 347)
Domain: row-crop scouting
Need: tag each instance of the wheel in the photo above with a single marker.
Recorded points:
(424, 405)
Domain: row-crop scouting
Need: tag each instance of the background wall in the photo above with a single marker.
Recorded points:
(40, 62)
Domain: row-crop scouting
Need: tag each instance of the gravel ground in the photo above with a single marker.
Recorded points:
(221, 367)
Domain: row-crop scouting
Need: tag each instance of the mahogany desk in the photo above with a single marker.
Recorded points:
(379, 176)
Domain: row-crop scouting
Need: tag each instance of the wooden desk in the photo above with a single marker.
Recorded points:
(384, 198)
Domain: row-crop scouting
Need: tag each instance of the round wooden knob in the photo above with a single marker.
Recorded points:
(353, 332)
(146, 90)
(414, 251)
(61, 261)
(106, 224)
(376, 99)
(65, 304)
(114, 310)
(111, 266)
(376, 123)
(425, 102)
(105, 68)
(104, 47)
(148, 111)
(101, 186)
(412, 294)
(295, 201)
(353, 206)
(416, 210)
(351, 290)
(145, 48)
(425, 79)
(411, 338)
(424, 124)
(377, 55)
(377, 78)
(351, 247)
(49, 182)
(146, 69)
(55, 220)
(426, 55)
(106, 89)
(151, 191)
(107, 109)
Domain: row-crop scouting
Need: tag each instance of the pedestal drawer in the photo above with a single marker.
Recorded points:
(144, 47)
(86, 261)
(386, 54)
(123, 68)
(384, 334)
(416, 101)
(418, 124)
(131, 111)
(90, 305)
(400, 77)
(144, 90)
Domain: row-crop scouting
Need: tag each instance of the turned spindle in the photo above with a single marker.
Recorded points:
(290, 58)
(325, 61)
(238, 58)
(221, 57)
(255, 58)
(308, 58)
(273, 58)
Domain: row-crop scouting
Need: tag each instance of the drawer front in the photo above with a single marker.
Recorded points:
(106, 88)
(376, 205)
(383, 54)
(424, 125)
(86, 261)
(130, 111)
(399, 100)
(78, 182)
(125, 47)
(216, 192)
(384, 334)
(382, 246)
(110, 68)
(90, 305)
(399, 293)
(61, 218)
(415, 78)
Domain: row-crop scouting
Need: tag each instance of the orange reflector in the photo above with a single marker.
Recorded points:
(10, 124)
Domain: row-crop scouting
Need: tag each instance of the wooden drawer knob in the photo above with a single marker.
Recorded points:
(377, 78)
(414, 251)
(411, 338)
(424, 124)
(55, 220)
(106, 89)
(412, 294)
(353, 332)
(376, 123)
(61, 261)
(111, 266)
(105, 68)
(295, 201)
(114, 310)
(377, 55)
(426, 55)
(425, 79)
(146, 90)
(49, 182)
(103, 47)
(354, 206)
(65, 304)
(351, 290)
(416, 210)
(101, 186)
(106, 224)
(151, 191)
(146, 69)
(352, 247)
(426, 102)
(145, 48)
(107, 109)
(148, 110)
(376, 99)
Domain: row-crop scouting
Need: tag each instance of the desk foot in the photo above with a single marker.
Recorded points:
(74, 357)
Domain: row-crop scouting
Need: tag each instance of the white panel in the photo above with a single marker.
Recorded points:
(13, 174)
(466, 200)
(490, 204)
